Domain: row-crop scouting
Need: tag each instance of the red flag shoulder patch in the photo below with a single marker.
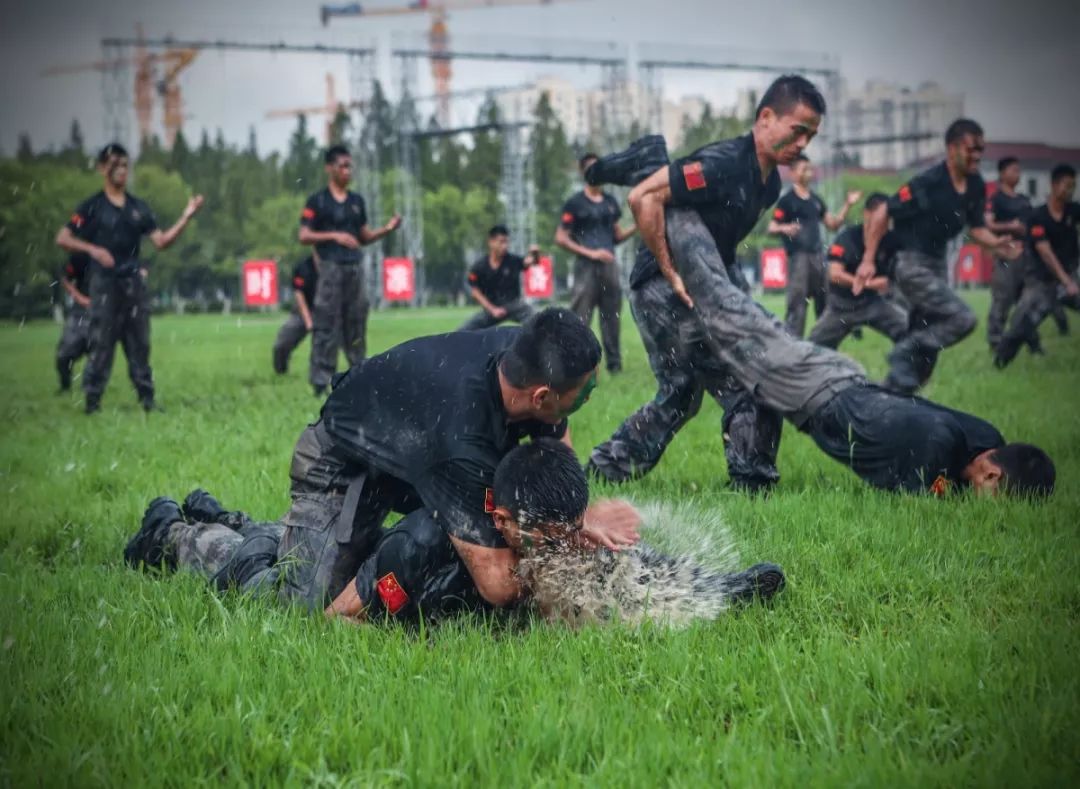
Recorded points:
(77, 220)
(567, 218)
(298, 282)
(473, 277)
(391, 593)
(489, 500)
(778, 214)
(694, 177)
(307, 213)
(1038, 231)
(69, 270)
(905, 193)
(940, 486)
(836, 251)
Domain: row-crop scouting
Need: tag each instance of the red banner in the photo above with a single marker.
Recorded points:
(974, 265)
(398, 279)
(540, 279)
(774, 269)
(260, 283)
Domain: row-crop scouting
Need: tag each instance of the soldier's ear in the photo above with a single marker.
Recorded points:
(540, 395)
(504, 521)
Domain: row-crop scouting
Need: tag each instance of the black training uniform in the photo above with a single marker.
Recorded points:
(723, 182)
(927, 213)
(1042, 290)
(305, 280)
(119, 300)
(340, 309)
(501, 286)
(75, 337)
(807, 276)
(592, 224)
(846, 311)
(1008, 278)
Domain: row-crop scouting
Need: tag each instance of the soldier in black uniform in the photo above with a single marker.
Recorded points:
(75, 338)
(797, 219)
(109, 227)
(927, 213)
(1053, 259)
(589, 228)
(847, 312)
(1007, 212)
(335, 221)
(495, 281)
(305, 280)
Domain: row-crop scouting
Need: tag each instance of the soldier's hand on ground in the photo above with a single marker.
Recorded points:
(602, 256)
(348, 240)
(193, 206)
(612, 524)
(498, 312)
(394, 223)
(103, 257)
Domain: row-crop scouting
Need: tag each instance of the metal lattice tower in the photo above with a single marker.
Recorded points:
(116, 92)
(652, 83)
(366, 155)
(615, 114)
(407, 186)
(516, 187)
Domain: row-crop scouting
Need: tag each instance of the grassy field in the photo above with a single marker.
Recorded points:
(919, 641)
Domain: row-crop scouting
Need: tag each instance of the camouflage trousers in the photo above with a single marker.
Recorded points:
(74, 343)
(1006, 284)
(340, 320)
(1037, 302)
(289, 336)
(840, 320)
(518, 310)
(685, 369)
(243, 557)
(788, 375)
(806, 282)
(119, 312)
(596, 287)
(938, 319)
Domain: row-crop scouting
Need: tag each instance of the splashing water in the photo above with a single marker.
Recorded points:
(690, 582)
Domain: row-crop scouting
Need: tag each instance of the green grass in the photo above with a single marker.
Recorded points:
(919, 641)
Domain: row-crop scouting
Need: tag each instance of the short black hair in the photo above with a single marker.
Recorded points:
(586, 157)
(1062, 171)
(111, 150)
(789, 91)
(555, 348)
(1025, 470)
(874, 200)
(498, 230)
(541, 482)
(961, 128)
(334, 152)
(1006, 162)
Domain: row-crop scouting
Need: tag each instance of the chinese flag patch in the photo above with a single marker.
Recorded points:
(694, 177)
(391, 593)
(307, 213)
(778, 214)
(567, 218)
(905, 193)
(473, 277)
(1038, 231)
(940, 486)
(836, 251)
(76, 220)
(489, 500)
(298, 282)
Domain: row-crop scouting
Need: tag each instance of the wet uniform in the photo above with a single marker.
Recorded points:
(846, 311)
(340, 308)
(305, 280)
(1042, 290)
(807, 273)
(723, 182)
(596, 285)
(1008, 277)
(502, 287)
(927, 213)
(119, 299)
(75, 337)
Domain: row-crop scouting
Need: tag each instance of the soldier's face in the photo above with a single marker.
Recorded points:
(1064, 188)
(498, 245)
(523, 538)
(984, 474)
(786, 136)
(340, 171)
(115, 171)
(551, 407)
(1010, 176)
(804, 173)
(966, 153)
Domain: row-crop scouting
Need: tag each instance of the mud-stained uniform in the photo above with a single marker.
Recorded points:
(807, 274)
(305, 280)
(1007, 280)
(501, 285)
(75, 336)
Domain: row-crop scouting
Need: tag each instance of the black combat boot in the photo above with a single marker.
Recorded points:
(630, 167)
(147, 548)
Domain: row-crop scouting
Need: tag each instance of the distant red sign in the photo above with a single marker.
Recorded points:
(399, 279)
(260, 283)
(540, 279)
(774, 268)
(974, 265)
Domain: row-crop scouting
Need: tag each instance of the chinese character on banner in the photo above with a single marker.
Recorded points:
(773, 269)
(973, 265)
(399, 279)
(540, 280)
(260, 283)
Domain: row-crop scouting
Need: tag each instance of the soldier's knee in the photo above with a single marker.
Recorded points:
(965, 323)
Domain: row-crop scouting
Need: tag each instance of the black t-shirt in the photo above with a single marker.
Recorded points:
(429, 412)
(1062, 237)
(500, 285)
(809, 213)
(119, 230)
(592, 224)
(847, 249)
(77, 272)
(305, 278)
(928, 212)
(1006, 208)
(901, 442)
(323, 214)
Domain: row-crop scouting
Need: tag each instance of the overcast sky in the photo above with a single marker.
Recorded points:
(1016, 63)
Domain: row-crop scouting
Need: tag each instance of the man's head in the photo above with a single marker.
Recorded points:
(802, 170)
(551, 366)
(1013, 470)
(540, 494)
(964, 145)
(112, 162)
(1063, 182)
(872, 202)
(338, 163)
(498, 240)
(1009, 171)
(788, 117)
(584, 162)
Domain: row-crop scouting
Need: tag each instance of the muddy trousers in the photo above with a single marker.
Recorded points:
(518, 310)
(119, 312)
(596, 287)
(806, 283)
(839, 321)
(289, 336)
(74, 343)
(340, 320)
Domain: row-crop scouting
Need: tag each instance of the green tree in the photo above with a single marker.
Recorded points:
(300, 170)
(553, 167)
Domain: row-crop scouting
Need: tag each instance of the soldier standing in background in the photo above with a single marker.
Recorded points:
(75, 338)
(1007, 212)
(495, 281)
(305, 279)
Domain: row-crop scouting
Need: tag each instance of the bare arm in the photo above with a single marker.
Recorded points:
(1003, 246)
(1046, 252)
(789, 229)
(621, 234)
(1012, 226)
(834, 221)
(492, 570)
(368, 236)
(309, 237)
(77, 295)
(838, 276)
(69, 242)
(163, 239)
(647, 202)
(304, 310)
(874, 229)
(347, 605)
(562, 239)
(532, 257)
(484, 302)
